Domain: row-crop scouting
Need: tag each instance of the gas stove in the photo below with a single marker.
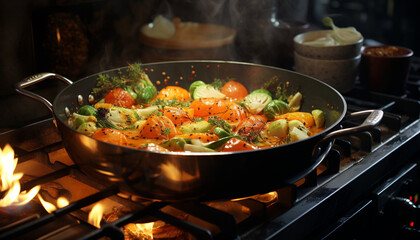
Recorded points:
(368, 180)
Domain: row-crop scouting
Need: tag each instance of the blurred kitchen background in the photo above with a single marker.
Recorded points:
(82, 37)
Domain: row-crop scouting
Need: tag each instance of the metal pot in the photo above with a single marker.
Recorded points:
(204, 176)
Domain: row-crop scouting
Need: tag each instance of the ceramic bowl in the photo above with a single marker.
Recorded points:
(338, 73)
(344, 51)
(385, 68)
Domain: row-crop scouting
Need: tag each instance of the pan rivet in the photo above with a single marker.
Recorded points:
(91, 99)
(67, 111)
(80, 100)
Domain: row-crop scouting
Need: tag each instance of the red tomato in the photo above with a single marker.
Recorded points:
(235, 144)
(158, 127)
(179, 115)
(204, 107)
(119, 97)
(174, 92)
(111, 136)
(235, 90)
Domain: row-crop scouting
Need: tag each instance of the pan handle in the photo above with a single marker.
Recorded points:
(37, 78)
(373, 119)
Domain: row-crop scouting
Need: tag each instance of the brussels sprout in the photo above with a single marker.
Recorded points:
(319, 118)
(196, 127)
(279, 128)
(122, 117)
(262, 91)
(297, 124)
(206, 91)
(255, 102)
(87, 128)
(142, 92)
(174, 144)
(77, 119)
(87, 110)
(295, 102)
(275, 108)
(296, 134)
(194, 85)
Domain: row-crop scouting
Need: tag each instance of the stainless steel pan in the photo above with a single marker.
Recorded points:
(180, 176)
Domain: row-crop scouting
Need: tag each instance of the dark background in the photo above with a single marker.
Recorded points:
(97, 35)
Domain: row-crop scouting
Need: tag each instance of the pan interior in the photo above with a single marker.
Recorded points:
(316, 94)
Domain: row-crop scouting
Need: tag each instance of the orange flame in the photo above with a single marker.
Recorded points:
(57, 32)
(95, 215)
(10, 180)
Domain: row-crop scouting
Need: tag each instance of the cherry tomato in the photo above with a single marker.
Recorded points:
(204, 107)
(235, 144)
(235, 90)
(119, 97)
(178, 115)
(174, 92)
(303, 117)
(158, 127)
(111, 136)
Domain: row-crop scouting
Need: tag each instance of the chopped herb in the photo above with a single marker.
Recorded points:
(216, 121)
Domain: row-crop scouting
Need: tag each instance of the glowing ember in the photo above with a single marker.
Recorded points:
(95, 215)
(10, 180)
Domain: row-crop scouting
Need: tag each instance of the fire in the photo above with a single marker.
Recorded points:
(57, 32)
(140, 230)
(10, 180)
(49, 207)
(95, 215)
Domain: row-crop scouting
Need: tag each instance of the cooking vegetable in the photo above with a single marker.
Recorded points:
(279, 128)
(319, 118)
(174, 92)
(234, 89)
(174, 144)
(196, 127)
(87, 128)
(255, 102)
(295, 101)
(87, 110)
(296, 135)
(200, 119)
(119, 97)
(207, 91)
(342, 35)
(275, 108)
(194, 85)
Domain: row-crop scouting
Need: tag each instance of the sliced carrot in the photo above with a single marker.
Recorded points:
(179, 115)
(205, 107)
(174, 92)
(158, 127)
(235, 113)
(303, 117)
